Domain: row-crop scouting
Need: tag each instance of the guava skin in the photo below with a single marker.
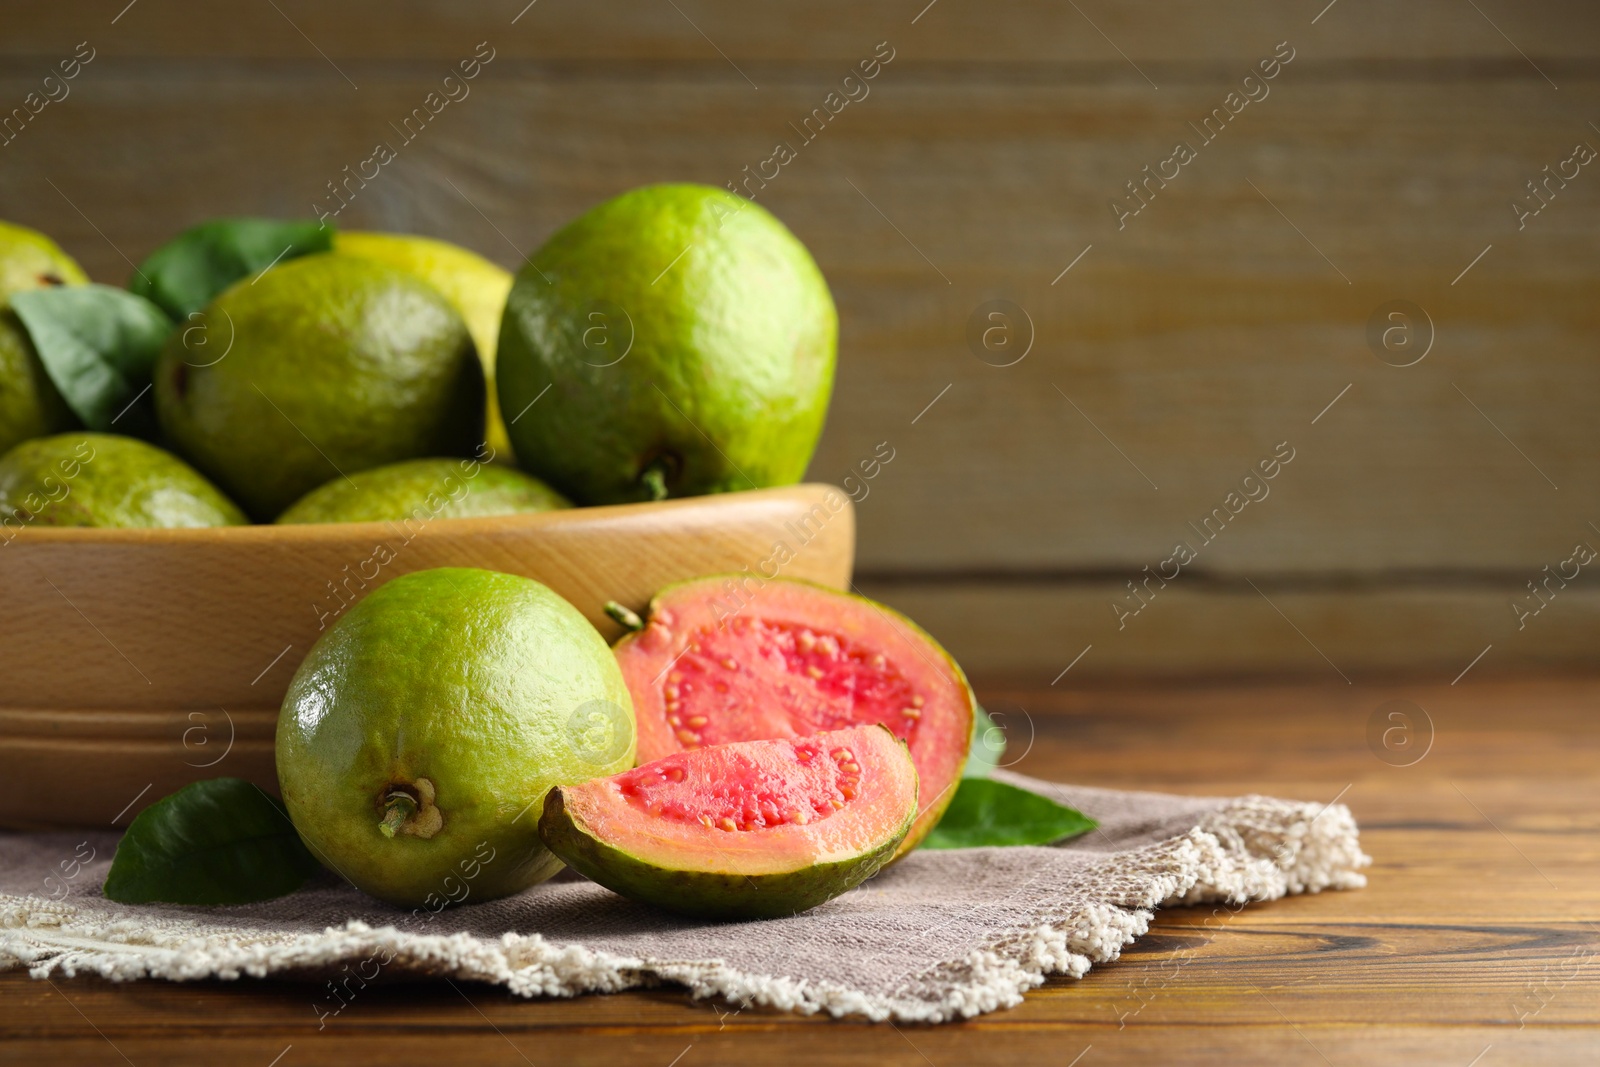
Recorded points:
(30, 260)
(323, 366)
(729, 334)
(30, 405)
(425, 489)
(473, 284)
(481, 684)
(98, 479)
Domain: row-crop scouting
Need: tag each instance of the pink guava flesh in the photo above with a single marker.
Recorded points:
(745, 789)
(718, 663)
(754, 807)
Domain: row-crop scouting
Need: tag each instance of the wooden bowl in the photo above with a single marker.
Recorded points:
(133, 662)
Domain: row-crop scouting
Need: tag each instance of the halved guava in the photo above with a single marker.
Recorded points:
(734, 658)
(750, 830)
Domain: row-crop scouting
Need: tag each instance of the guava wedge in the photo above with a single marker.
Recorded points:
(749, 830)
(738, 658)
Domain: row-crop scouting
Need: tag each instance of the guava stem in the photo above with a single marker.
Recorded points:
(398, 806)
(625, 617)
(654, 478)
(408, 809)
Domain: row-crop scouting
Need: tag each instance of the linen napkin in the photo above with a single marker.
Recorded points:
(943, 934)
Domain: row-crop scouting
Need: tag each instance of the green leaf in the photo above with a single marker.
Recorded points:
(986, 812)
(988, 745)
(98, 344)
(220, 841)
(185, 273)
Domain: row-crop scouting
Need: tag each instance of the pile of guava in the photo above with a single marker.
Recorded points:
(676, 340)
(458, 734)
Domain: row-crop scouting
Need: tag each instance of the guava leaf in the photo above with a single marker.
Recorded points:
(220, 841)
(986, 812)
(185, 273)
(988, 745)
(98, 344)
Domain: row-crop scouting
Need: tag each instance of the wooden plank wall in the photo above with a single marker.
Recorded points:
(1186, 343)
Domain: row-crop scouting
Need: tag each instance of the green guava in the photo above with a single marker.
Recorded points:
(687, 340)
(101, 479)
(734, 657)
(425, 489)
(474, 285)
(30, 260)
(321, 367)
(30, 405)
(748, 830)
(421, 733)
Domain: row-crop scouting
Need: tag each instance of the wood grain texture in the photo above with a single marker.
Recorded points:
(1221, 627)
(137, 658)
(1016, 34)
(1480, 926)
(1176, 355)
(1229, 315)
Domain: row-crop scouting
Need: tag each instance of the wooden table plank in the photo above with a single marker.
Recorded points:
(1218, 626)
(1158, 35)
(1480, 928)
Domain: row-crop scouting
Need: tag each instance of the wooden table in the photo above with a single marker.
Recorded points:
(1477, 941)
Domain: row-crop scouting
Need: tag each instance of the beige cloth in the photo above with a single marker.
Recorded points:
(940, 935)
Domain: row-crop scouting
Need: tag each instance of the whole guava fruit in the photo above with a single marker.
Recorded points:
(421, 733)
(101, 479)
(30, 404)
(320, 367)
(473, 284)
(421, 490)
(687, 340)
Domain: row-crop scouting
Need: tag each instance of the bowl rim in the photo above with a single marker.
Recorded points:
(315, 532)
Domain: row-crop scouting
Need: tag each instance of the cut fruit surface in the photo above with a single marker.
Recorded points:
(753, 829)
(733, 658)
